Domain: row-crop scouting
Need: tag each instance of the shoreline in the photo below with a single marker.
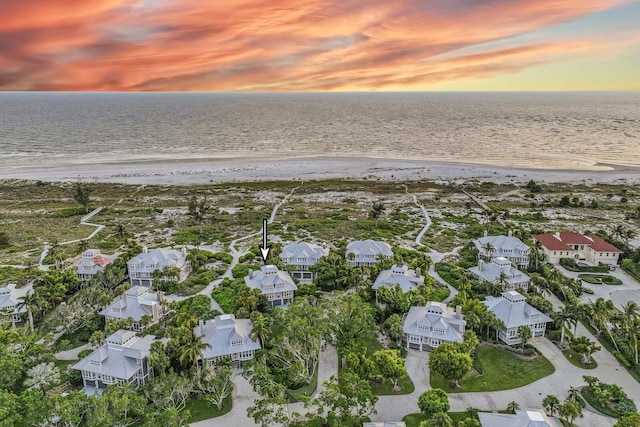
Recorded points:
(185, 171)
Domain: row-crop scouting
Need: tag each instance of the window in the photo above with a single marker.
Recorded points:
(236, 342)
(554, 252)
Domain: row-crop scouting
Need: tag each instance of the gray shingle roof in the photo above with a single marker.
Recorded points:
(362, 248)
(7, 302)
(160, 258)
(398, 275)
(502, 244)
(220, 331)
(513, 310)
(311, 253)
(490, 271)
(270, 280)
(135, 303)
(434, 315)
(117, 357)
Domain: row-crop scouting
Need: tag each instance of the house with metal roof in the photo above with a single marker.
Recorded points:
(590, 249)
(384, 424)
(9, 312)
(228, 337)
(122, 359)
(427, 327)
(508, 247)
(498, 269)
(301, 256)
(511, 307)
(136, 303)
(399, 275)
(89, 263)
(275, 284)
(522, 418)
(367, 252)
(142, 267)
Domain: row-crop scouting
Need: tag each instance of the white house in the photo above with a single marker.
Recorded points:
(513, 310)
(228, 337)
(522, 418)
(9, 312)
(302, 256)
(135, 303)
(491, 272)
(141, 267)
(399, 275)
(590, 249)
(276, 285)
(508, 247)
(367, 252)
(427, 327)
(90, 262)
(121, 360)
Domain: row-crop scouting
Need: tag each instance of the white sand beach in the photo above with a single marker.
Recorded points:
(200, 171)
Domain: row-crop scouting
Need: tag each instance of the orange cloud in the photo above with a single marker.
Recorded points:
(264, 45)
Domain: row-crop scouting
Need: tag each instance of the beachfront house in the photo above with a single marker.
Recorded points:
(9, 311)
(398, 275)
(367, 252)
(301, 256)
(512, 309)
(89, 263)
(590, 249)
(276, 285)
(228, 337)
(427, 327)
(384, 424)
(500, 270)
(136, 303)
(122, 359)
(522, 418)
(142, 267)
(508, 247)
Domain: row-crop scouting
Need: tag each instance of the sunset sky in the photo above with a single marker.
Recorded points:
(319, 45)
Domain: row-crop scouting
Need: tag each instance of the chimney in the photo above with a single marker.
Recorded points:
(160, 296)
(480, 265)
(201, 323)
(418, 272)
(510, 233)
(557, 234)
(486, 232)
(145, 250)
(458, 312)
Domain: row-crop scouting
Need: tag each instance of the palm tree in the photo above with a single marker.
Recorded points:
(513, 406)
(30, 301)
(376, 211)
(550, 404)
(440, 419)
(489, 249)
(537, 253)
(574, 394)
(261, 328)
(42, 376)
(524, 332)
(193, 350)
(564, 319)
(634, 334)
(601, 316)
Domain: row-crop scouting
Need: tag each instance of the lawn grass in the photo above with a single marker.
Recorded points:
(576, 359)
(502, 371)
(599, 279)
(306, 390)
(592, 400)
(202, 409)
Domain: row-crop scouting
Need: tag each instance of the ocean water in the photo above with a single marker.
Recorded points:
(539, 130)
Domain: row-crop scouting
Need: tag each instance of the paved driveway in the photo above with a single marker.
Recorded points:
(620, 294)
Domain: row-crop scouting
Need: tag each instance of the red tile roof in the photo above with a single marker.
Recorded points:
(101, 260)
(600, 245)
(550, 241)
(571, 238)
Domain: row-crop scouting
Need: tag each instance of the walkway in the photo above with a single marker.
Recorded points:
(424, 212)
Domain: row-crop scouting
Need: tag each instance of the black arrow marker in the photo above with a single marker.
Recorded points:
(264, 249)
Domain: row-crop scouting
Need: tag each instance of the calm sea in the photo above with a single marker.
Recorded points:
(508, 129)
